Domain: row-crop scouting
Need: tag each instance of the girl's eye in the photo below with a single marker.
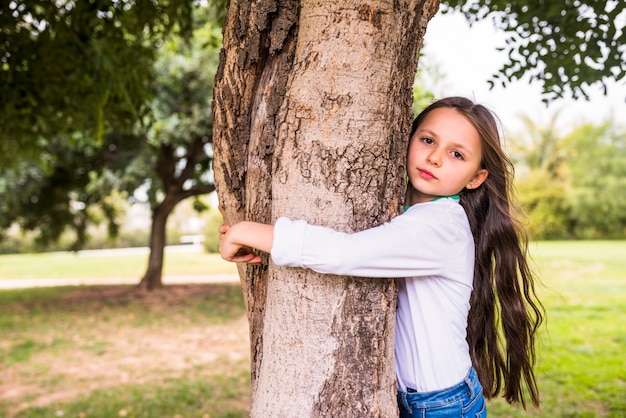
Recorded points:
(457, 154)
(427, 140)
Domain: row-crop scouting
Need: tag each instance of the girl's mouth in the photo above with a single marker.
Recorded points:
(426, 174)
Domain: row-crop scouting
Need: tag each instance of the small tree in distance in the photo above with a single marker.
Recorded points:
(153, 133)
(180, 136)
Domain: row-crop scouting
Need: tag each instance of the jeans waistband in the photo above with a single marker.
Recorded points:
(470, 382)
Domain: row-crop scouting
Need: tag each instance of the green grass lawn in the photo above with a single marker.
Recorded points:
(581, 352)
(110, 351)
(92, 265)
(582, 348)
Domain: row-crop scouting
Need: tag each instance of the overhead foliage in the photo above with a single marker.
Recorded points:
(81, 66)
(152, 130)
(566, 45)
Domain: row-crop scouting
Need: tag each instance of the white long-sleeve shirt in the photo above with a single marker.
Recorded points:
(431, 249)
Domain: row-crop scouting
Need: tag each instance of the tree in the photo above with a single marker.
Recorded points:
(539, 147)
(68, 73)
(311, 116)
(545, 201)
(538, 154)
(75, 82)
(77, 179)
(68, 67)
(153, 130)
(596, 173)
(180, 137)
(566, 196)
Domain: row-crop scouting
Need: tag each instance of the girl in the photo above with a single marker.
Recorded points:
(461, 257)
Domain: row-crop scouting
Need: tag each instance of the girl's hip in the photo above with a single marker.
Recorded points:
(464, 399)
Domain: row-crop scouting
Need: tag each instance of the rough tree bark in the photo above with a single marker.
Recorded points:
(312, 107)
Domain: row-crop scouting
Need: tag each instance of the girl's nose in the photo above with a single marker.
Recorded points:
(434, 158)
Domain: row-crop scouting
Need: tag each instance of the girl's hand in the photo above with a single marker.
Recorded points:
(230, 250)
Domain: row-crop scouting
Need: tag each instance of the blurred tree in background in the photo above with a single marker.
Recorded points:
(77, 67)
(179, 137)
(539, 158)
(596, 178)
(101, 97)
(573, 186)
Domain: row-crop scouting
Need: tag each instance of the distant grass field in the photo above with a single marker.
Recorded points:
(98, 265)
(173, 353)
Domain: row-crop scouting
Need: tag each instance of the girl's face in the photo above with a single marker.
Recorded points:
(444, 156)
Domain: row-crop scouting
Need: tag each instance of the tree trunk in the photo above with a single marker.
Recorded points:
(312, 108)
(152, 278)
(176, 189)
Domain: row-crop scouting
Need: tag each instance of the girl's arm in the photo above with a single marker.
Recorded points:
(417, 243)
(238, 241)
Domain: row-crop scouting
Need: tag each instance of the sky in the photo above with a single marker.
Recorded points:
(467, 57)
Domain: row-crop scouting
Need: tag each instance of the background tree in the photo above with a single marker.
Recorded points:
(75, 81)
(68, 72)
(545, 200)
(596, 172)
(538, 147)
(75, 179)
(157, 139)
(539, 157)
(180, 136)
(572, 185)
(70, 67)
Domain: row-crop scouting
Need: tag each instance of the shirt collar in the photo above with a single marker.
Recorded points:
(455, 197)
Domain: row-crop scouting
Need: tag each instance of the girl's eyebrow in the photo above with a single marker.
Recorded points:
(462, 147)
(422, 130)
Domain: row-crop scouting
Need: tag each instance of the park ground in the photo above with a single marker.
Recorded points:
(114, 336)
(106, 350)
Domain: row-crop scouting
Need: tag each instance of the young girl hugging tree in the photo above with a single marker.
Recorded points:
(467, 308)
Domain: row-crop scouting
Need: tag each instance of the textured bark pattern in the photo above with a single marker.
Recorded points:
(259, 41)
(311, 119)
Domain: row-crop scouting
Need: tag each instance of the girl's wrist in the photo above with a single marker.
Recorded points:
(238, 233)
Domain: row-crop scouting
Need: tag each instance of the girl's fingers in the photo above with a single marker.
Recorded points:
(247, 258)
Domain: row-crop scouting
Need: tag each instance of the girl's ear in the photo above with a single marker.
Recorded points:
(478, 179)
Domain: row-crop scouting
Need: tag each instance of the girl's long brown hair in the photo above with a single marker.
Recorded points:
(505, 312)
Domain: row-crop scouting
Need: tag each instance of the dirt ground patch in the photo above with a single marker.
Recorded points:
(100, 337)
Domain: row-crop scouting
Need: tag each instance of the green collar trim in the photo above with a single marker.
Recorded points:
(453, 197)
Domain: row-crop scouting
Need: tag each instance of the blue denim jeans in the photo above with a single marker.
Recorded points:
(462, 400)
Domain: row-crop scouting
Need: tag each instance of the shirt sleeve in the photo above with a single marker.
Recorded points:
(410, 245)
